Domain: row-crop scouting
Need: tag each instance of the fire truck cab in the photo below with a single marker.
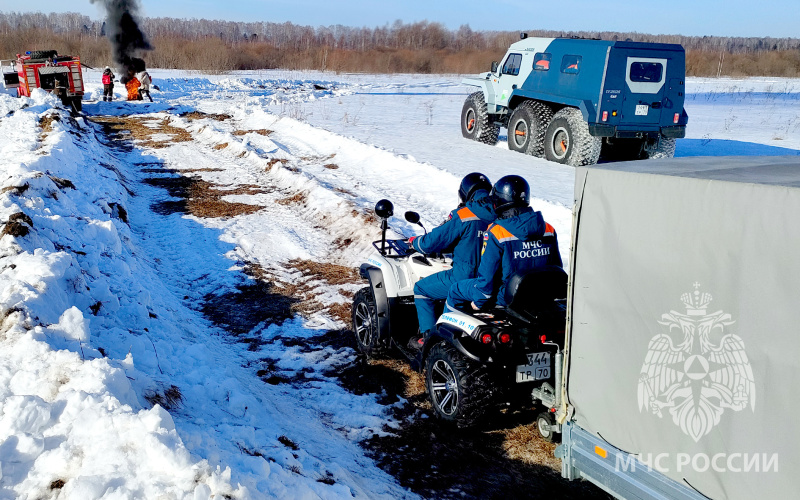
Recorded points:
(47, 70)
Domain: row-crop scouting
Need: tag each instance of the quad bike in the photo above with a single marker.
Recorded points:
(473, 360)
(384, 313)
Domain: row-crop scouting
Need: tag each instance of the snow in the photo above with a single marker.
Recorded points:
(100, 318)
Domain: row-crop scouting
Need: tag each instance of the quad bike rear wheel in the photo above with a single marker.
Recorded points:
(460, 391)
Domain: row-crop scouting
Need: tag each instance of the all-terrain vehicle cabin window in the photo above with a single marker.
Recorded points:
(513, 62)
(541, 61)
(570, 64)
(646, 72)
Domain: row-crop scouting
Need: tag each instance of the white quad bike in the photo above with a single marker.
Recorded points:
(473, 360)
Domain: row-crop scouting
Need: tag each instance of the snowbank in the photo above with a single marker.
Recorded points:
(95, 348)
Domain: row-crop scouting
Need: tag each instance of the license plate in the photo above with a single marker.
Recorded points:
(538, 367)
(642, 109)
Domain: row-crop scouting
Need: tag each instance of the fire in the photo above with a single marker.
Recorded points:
(133, 85)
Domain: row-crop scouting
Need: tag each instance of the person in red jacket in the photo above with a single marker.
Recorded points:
(108, 85)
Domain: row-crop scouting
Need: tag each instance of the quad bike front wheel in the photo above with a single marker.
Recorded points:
(365, 323)
(460, 391)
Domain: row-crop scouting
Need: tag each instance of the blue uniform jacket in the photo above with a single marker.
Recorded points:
(461, 234)
(518, 243)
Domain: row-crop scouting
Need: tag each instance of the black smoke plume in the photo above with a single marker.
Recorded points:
(127, 39)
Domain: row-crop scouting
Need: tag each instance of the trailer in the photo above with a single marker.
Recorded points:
(45, 69)
(683, 346)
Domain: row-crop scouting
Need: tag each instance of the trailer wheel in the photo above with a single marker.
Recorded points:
(665, 149)
(568, 140)
(544, 424)
(475, 123)
(365, 323)
(460, 391)
(527, 127)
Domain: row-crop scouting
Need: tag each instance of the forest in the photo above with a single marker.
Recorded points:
(421, 47)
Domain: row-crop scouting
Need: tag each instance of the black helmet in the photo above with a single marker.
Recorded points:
(471, 183)
(511, 191)
(384, 209)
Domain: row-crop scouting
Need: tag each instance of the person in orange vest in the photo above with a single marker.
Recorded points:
(460, 234)
(518, 240)
(108, 85)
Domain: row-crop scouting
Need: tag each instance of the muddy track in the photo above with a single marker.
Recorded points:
(504, 459)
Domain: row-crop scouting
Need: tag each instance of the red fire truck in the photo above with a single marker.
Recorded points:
(47, 70)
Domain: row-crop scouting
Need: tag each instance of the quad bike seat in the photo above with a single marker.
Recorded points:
(537, 293)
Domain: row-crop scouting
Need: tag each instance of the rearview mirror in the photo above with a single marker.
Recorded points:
(412, 217)
(495, 65)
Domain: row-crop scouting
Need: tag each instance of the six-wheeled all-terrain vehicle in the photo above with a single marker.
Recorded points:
(47, 70)
(578, 101)
(473, 360)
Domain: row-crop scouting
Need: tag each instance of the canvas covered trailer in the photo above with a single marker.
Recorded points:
(682, 361)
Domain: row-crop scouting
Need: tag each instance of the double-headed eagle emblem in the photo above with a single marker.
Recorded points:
(696, 370)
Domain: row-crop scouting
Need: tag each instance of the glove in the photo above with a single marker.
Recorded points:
(411, 241)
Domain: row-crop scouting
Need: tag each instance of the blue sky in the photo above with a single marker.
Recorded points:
(777, 18)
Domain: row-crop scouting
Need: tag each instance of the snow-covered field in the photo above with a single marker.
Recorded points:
(115, 379)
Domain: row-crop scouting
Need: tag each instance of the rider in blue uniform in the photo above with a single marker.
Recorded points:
(518, 240)
(461, 234)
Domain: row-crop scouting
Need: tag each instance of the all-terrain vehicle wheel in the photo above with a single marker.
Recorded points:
(568, 140)
(475, 123)
(527, 127)
(665, 149)
(365, 323)
(460, 391)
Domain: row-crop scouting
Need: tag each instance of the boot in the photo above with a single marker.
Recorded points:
(416, 342)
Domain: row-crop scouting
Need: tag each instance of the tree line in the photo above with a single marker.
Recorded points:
(421, 47)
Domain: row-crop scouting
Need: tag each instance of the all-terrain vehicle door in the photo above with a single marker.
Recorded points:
(646, 82)
(512, 76)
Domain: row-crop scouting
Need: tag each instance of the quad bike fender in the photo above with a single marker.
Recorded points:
(457, 338)
(376, 281)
